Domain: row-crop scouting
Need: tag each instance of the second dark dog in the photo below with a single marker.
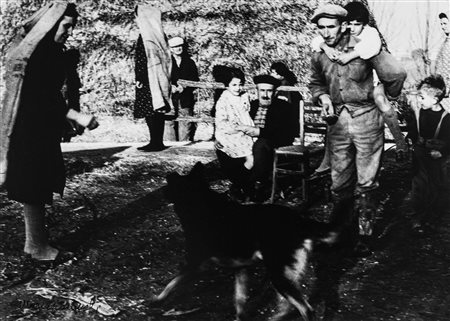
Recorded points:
(234, 235)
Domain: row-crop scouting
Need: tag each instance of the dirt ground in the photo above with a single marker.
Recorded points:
(128, 244)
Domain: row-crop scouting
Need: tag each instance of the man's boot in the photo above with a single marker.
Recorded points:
(343, 218)
(366, 211)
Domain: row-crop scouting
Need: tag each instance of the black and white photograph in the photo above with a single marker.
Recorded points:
(195, 160)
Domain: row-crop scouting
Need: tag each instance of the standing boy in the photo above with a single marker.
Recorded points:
(431, 138)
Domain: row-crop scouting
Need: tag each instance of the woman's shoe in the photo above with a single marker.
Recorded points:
(152, 148)
(145, 147)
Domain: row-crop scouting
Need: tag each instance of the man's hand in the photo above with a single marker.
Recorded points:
(344, 58)
(93, 124)
(327, 106)
(248, 130)
(435, 154)
(328, 114)
(177, 89)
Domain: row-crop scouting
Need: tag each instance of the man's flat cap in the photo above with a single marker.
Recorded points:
(176, 41)
(328, 11)
(266, 79)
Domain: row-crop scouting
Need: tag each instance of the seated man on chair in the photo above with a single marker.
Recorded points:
(274, 126)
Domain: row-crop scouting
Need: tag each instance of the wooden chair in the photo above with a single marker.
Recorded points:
(294, 160)
(288, 160)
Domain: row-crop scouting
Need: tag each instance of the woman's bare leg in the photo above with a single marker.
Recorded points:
(36, 234)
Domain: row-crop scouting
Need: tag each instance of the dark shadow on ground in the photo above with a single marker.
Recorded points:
(135, 250)
(330, 265)
(82, 161)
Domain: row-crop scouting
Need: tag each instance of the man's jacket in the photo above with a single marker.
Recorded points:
(280, 125)
(187, 71)
(350, 84)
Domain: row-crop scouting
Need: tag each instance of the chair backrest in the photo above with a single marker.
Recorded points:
(309, 121)
(301, 120)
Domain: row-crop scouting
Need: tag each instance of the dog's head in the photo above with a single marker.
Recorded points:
(185, 187)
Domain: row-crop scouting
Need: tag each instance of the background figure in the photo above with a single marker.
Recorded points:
(143, 107)
(36, 167)
(183, 67)
(443, 58)
(286, 77)
(220, 73)
(71, 92)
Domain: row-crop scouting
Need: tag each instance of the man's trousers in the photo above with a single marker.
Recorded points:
(356, 148)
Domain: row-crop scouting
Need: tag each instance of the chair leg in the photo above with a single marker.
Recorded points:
(304, 183)
(274, 177)
(327, 190)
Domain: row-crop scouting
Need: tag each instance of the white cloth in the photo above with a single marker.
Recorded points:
(316, 42)
(159, 58)
(370, 44)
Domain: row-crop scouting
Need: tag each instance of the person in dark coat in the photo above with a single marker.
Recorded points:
(183, 99)
(143, 107)
(36, 168)
(286, 77)
(71, 92)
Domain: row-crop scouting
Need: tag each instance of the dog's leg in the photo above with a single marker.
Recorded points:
(290, 290)
(240, 292)
(287, 280)
(283, 308)
(174, 284)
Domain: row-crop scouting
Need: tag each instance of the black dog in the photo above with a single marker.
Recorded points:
(234, 235)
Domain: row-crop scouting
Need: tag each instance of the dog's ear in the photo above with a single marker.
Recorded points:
(197, 170)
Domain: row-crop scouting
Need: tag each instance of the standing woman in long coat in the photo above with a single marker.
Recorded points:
(143, 107)
(36, 168)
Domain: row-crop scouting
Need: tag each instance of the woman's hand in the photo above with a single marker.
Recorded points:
(85, 120)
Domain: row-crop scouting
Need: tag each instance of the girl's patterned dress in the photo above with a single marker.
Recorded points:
(232, 111)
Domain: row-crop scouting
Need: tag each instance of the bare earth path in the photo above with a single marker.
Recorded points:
(128, 244)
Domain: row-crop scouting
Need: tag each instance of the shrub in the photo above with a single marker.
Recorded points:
(247, 34)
